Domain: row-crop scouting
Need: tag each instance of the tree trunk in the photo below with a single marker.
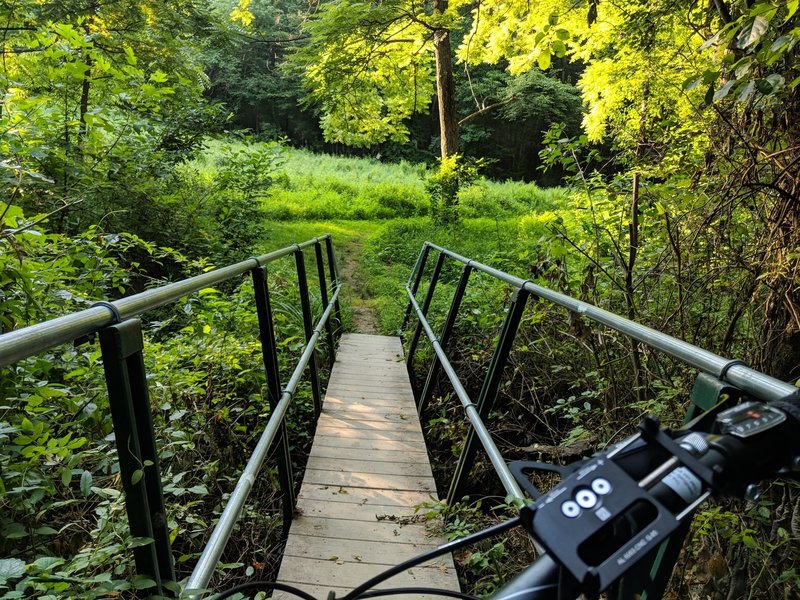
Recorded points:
(445, 88)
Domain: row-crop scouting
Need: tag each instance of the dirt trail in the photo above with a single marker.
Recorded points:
(364, 317)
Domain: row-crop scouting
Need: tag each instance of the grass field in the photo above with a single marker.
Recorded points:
(377, 214)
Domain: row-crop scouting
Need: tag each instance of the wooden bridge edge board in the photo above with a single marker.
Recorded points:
(364, 479)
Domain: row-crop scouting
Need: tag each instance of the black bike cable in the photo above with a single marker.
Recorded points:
(436, 552)
(260, 586)
(417, 590)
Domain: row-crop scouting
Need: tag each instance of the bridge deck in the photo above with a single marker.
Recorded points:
(367, 470)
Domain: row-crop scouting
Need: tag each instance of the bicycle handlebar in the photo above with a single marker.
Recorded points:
(617, 508)
(598, 536)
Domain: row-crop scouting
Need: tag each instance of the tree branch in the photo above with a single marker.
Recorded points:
(485, 109)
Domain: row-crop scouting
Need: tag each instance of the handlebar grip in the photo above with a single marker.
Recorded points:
(790, 405)
(542, 580)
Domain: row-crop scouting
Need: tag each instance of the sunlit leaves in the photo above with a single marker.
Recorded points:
(241, 13)
(369, 69)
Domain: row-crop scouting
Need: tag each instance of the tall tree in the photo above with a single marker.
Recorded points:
(369, 67)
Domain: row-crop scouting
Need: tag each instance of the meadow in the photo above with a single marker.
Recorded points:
(378, 214)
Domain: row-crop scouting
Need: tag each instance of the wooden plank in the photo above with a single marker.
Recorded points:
(368, 386)
(340, 573)
(378, 531)
(371, 413)
(364, 402)
(356, 511)
(322, 592)
(366, 434)
(379, 454)
(314, 547)
(367, 471)
(328, 420)
(371, 480)
(335, 494)
(368, 466)
(333, 441)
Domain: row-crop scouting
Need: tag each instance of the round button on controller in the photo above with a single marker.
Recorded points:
(570, 509)
(586, 498)
(601, 486)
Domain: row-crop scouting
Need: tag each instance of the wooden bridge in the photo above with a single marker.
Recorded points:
(367, 471)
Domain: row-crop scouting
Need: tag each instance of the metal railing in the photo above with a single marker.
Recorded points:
(122, 346)
(733, 372)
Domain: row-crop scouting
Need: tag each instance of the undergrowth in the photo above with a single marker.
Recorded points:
(63, 524)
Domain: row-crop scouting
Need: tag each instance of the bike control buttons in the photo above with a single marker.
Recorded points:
(570, 509)
(749, 418)
(601, 486)
(586, 498)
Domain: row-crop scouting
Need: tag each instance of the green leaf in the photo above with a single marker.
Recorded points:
(142, 582)
(553, 19)
(140, 541)
(137, 476)
(746, 92)
(11, 568)
(709, 97)
(749, 541)
(591, 16)
(691, 83)
(544, 60)
(791, 8)
(724, 90)
(752, 32)
(46, 563)
(781, 42)
(86, 483)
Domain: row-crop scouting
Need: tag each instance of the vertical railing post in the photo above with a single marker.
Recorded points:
(269, 353)
(333, 271)
(126, 379)
(488, 392)
(412, 346)
(308, 325)
(323, 294)
(444, 337)
(417, 275)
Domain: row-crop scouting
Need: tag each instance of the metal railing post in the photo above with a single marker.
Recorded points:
(417, 275)
(126, 379)
(308, 326)
(444, 338)
(333, 271)
(269, 353)
(323, 294)
(488, 392)
(412, 346)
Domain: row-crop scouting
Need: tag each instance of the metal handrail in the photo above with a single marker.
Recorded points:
(210, 556)
(29, 341)
(734, 372)
(496, 458)
(122, 345)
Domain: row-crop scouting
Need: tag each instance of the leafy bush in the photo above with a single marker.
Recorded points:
(63, 520)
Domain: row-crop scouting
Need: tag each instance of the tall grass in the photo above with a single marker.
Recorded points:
(310, 186)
